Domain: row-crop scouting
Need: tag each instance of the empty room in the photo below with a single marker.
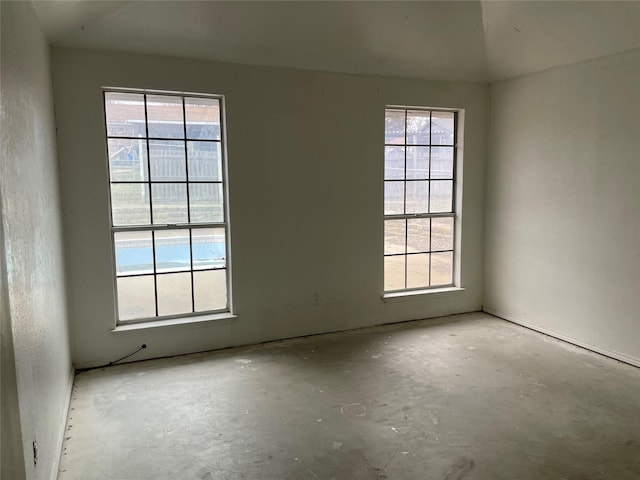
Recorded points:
(320, 240)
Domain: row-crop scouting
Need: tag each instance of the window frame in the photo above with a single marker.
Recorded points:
(454, 214)
(193, 316)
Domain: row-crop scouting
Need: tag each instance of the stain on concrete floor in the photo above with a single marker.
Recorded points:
(465, 397)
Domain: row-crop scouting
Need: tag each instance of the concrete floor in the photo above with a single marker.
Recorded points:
(468, 396)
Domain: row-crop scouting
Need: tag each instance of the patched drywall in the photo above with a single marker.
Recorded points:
(34, 297)
(563, 203)
(306, 172)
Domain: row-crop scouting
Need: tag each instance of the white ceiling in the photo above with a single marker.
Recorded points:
(449, 40)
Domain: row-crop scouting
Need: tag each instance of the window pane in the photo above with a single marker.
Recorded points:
(164, 116)
(210, 290)
(172, 250)
(394, 127)
(166, 167)
(441, 234)
(394, 272)
(174, 293)
(167, 160)
(425, 160)
(125, 114)
(394, 236)
(205, 161)
(169, 202)
(393, 163)
(393, 198)
(418, 162)
(134, 253)
(441, 196)
(442, 162)
(417, 128)
(442, 130)
(209, 248)
(130, 204)
(206, 202)
(203, 118)
(127, 160)
(442, 268)
(136, 297)
(418, 270)
(417, 197)
(418, 235)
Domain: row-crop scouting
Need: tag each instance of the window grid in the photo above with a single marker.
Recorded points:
(152, 227)
(428, 214)
(153, 233)
(186, 167)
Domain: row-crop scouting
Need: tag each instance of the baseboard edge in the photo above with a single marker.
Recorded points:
(65, 415)
(621, 357)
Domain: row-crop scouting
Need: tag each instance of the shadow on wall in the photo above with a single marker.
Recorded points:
(11, 454)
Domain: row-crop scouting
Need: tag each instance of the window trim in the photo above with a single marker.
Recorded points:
(189, 317)
(455, 214)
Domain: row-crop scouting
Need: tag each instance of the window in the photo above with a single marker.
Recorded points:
(419, 200)
(168, 204)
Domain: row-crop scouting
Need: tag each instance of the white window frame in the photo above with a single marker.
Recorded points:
(189, 226)
(454, 214)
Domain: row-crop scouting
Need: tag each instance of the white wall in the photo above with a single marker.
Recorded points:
(563, 203)
(306, 166)
(35, 345)
(11, 452)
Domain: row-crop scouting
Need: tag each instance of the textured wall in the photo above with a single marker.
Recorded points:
(306, 169)
(11, 453)
(36, 320)
(563, 203)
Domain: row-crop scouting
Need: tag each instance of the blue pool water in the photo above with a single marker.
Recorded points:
(139, 259)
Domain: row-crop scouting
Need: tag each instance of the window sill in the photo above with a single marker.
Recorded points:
(418, 294)
(219, 318)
